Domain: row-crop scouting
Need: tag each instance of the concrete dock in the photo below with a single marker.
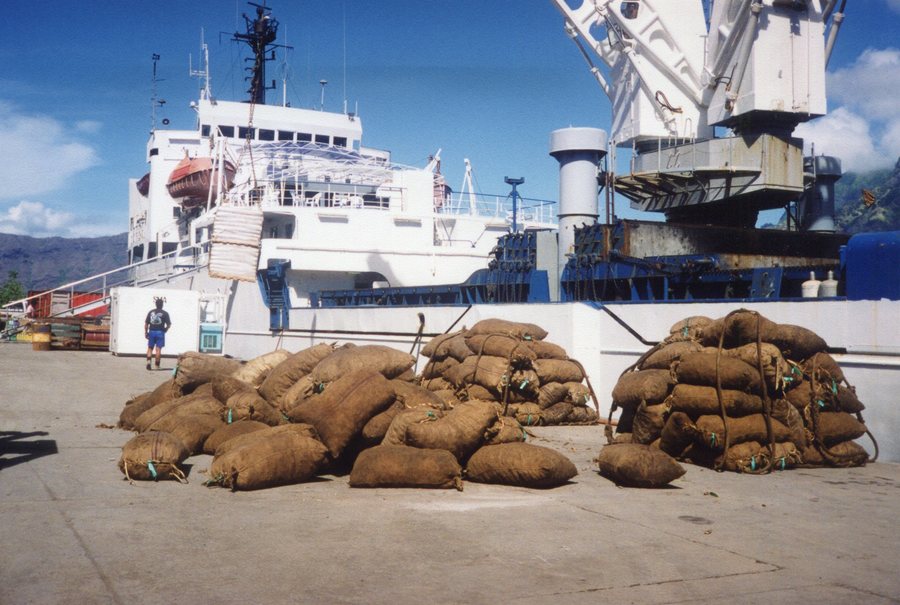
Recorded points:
(74, 531)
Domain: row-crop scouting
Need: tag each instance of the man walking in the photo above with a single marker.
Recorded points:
(155, 327)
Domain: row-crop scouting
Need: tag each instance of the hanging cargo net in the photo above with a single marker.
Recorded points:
(234, 252)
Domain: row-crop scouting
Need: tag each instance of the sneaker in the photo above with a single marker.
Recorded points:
(157, 365)
(148, 364)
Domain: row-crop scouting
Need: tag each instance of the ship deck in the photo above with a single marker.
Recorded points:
(74, 530)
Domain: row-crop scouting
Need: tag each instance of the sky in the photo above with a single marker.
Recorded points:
(486, 80)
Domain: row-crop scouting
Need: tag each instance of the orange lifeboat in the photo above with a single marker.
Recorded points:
(192, 178)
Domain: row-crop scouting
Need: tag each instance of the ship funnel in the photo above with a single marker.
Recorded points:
(816, 206)
(578, 151)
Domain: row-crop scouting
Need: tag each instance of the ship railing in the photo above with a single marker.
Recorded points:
(90, 293)
(530, 210)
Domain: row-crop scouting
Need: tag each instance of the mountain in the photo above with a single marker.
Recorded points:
(853, 216)
(47, 262)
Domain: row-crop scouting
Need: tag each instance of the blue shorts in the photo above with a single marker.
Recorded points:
(156, 338)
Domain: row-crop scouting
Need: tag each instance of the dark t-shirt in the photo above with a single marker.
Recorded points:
(158, 319)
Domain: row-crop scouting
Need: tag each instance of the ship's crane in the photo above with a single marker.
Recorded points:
(674, 73)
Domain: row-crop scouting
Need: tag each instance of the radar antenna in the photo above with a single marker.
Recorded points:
(260, 37)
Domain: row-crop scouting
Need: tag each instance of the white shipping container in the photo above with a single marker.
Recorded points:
(129, 308)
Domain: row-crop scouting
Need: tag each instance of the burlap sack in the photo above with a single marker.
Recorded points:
(527, 414)
(742, 327)
(194, 369)
(789, 416)
(413, 395)
(230, 431)
(753, 456)
(740, 430)
(461, 431)
(387, 361)
(303, 430)
(582, 415)
(826, 368)
(648, 422)
(700, 369)
(579, 394)
(651, 386)
(490, 372)
(551, 393)
(299, 392)
(843, 454)
(521, 464)
(254, 372)
(547, 350)
(199, 402)
(438, 384)
(677, 434)
(152, 456)
(134, 407)
(249, 405)
(375, 429)
(557, 413)
(345, 406)
(192, 429)
(506, 430)
(223, 387)
(831, 428)
(518, 352)
(448, 396)
(403, 466)
(775, 368)
(557, 370)
(267, 460)
(522, 331)
(437, 368)
(663, 357)
(699, 400)
(637, 465)
(690, 328)
(439, 346)
(285, 374)
(847, 401)
(396, 431)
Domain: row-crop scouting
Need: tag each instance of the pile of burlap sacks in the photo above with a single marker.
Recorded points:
(741, 393)
(534, 380)
(285, 418)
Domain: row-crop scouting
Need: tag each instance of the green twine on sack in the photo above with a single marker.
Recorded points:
(151, 468)
(833, 386)
(752, 463)
(528, 420)
(523, 384)
(320, 387)
(430, 414)
(285, 417)
(174, 371)
(821, 403)
(782, 463)
(712, 440)
(527, 337)
(228, 420)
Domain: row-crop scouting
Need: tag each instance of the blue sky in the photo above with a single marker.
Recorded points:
(482, 79)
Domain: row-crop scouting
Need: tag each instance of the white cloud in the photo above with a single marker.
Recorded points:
(871, 85)
(846, 135)
(894, 4)
(88, 126)
(35, 219)
(40, 153)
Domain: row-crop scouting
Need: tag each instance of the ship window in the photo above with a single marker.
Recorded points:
(340, 141)
(204, 130)
(169, 247)
(227, 131)
(285, 135)
(154, 152)
(322, 138)
(266, 135)
(151, 250)
(244, 131)
(630, 9)
(304, 137)
(137, 253)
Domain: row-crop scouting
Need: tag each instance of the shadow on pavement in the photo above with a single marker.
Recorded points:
(17, 447)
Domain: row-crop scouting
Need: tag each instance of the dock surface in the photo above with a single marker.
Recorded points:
(75, 531)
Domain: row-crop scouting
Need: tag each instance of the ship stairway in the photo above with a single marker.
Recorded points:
(273, 286)
(92, 293)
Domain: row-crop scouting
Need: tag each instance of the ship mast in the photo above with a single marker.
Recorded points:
(260, 37)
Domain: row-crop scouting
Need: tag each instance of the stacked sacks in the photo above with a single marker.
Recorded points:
(741, 393)
(326, 409)
(510, 363)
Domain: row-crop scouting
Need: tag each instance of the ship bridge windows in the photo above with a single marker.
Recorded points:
(266, 135)
(227, 131)
(278, 226)
(323, 139)
(285, 135)
(245, 132)
(304, 137)
(340, 141)
(205, 129)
